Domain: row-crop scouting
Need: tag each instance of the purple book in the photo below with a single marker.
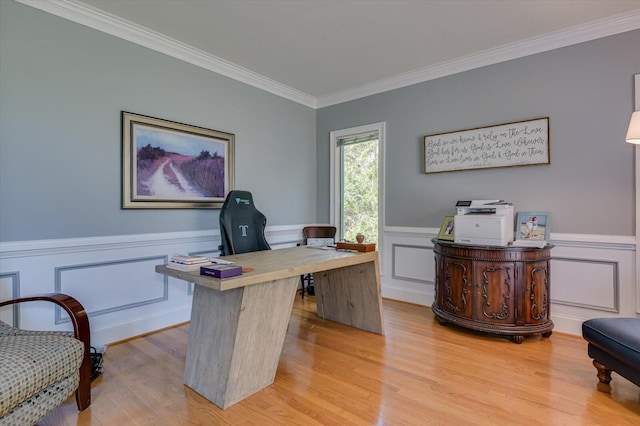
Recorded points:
(221, 271)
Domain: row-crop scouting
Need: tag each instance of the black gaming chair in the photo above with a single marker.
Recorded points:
(241, 225)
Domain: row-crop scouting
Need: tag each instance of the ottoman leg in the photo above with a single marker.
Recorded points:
(604, 377)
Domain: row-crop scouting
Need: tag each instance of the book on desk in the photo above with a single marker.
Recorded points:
(187, 263)
(188, 260)
(194, 263)
(221, 271)
(186, 267)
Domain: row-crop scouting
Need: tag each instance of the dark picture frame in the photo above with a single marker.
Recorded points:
(447, 229)
(170, 165)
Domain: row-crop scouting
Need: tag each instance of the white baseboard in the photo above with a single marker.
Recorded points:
(107, 334)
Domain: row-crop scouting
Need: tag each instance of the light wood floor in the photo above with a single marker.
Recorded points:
(420, 373)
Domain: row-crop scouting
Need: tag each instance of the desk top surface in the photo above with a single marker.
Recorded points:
(270, 265)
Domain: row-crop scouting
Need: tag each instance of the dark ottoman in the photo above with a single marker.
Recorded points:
(614, 345)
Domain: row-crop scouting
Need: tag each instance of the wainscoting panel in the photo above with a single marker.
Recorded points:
(598, 283)
(113, 277)
(102, 285)
(408, 272)
(413, 263)
(591, 276)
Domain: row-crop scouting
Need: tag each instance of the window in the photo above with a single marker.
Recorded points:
(357, 189)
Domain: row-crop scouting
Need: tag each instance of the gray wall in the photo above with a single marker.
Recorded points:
(62, 87)
(585, 89)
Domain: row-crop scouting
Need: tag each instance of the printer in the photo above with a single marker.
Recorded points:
(484, 222)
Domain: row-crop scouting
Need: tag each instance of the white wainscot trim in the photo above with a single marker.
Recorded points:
(591, 275)
(112, 276)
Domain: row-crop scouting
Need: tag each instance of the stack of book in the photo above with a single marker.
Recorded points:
(187, 263)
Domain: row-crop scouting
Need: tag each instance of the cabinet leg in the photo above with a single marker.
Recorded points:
(517, 339)
(547, 334)
(442, 321)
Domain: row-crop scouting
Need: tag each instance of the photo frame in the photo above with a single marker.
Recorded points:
(447, 229)
(170, 165)
(533, 226)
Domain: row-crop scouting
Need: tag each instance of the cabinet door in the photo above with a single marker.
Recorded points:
(536, 295)
(456, 292)
(495, 292)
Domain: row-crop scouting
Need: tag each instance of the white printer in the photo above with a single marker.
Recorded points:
(484, 222)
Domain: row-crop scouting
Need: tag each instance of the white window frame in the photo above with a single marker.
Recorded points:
(336, 177)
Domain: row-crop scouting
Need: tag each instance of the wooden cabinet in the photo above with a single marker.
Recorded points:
(499, 290)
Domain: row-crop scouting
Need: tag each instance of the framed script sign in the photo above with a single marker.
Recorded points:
(523, 143)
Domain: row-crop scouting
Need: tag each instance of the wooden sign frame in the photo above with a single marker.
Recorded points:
(520, 143)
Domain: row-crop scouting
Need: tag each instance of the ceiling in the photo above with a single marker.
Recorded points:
(321, 52)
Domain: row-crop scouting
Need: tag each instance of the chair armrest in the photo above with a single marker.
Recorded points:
(81, 331)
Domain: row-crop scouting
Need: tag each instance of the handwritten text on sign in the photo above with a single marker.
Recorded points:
(504, 145)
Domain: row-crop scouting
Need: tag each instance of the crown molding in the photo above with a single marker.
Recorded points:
(578, 34)
(97, 19)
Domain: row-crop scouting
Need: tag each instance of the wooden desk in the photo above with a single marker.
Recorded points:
(238, 325)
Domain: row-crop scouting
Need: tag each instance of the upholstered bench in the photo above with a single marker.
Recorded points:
(39, 370)
(614, 345)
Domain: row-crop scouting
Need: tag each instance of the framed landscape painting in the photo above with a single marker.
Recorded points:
(169, 165)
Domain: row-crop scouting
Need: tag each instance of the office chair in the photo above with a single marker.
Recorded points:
(315, 235)
(241, 225)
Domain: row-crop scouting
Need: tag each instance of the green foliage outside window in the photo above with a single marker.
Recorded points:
(360, 191)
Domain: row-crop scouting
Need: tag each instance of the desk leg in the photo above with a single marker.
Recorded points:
(235, 339)
(351, 295)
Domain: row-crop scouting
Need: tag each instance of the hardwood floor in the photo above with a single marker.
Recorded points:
(420, 373)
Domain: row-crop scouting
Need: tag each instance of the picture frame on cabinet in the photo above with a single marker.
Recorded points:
(170, 165)
(447, 229)
(533, 226)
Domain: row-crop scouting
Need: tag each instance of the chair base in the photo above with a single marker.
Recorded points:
(306, 285)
